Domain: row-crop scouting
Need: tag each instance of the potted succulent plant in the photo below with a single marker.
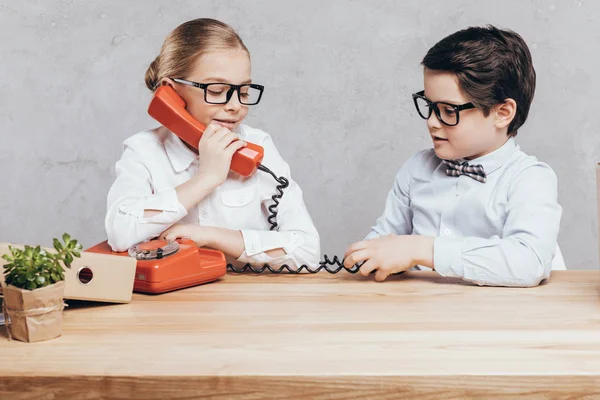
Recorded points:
(34, 288)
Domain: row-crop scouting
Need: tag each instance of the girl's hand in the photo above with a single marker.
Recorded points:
(199, 234)
(229, 241)
(215, 150)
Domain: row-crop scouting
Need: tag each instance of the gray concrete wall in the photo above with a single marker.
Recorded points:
(339, 75)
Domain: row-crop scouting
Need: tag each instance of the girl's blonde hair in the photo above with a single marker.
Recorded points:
(186, 43)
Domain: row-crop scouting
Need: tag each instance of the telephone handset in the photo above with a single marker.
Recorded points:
(168, 108)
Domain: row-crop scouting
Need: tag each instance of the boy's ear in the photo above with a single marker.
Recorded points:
(505, 113)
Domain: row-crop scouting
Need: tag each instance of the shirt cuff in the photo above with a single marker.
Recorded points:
(260, 258)
(166, 201)
(447, 256)
(256, 242)
(372, 235)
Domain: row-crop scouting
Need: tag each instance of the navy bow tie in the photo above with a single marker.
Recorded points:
(455, 168)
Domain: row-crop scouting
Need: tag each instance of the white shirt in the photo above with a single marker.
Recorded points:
(154, 162)
(502, 232)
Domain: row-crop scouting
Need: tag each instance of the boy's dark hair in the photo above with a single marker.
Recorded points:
(492, 65)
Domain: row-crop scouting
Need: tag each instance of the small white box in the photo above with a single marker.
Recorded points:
(93, 277)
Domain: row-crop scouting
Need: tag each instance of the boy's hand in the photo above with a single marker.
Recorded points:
(199, 234)
(390, 254)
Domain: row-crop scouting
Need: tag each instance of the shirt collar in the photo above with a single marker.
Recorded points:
(180, 155)
(494, 160)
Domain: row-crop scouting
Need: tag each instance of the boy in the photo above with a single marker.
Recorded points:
(475, 206)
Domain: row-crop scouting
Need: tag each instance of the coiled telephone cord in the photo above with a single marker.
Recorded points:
(333, 266)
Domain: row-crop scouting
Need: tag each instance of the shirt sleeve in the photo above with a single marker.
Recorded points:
(295, 234)
(397, 214)
(130, 195)
(522, 257)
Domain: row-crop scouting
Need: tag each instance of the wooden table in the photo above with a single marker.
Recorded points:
(323, 336)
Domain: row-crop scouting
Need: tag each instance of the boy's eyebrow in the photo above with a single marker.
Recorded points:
(453, 102)
(444, 101)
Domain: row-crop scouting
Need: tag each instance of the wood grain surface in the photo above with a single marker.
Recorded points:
(322, 336)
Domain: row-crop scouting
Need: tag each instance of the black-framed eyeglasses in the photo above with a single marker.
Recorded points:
(249, 94)
(447, 113)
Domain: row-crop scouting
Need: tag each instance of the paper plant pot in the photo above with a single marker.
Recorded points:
(34, 315)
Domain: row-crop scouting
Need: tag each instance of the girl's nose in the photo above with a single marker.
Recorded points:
(234, 102)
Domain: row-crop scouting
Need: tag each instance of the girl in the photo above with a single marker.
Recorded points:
(166, 188)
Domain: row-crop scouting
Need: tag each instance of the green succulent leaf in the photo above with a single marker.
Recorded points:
(68, 259)
(34, 267)
(57, 245)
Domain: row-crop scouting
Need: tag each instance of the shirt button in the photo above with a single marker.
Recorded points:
(204, 214)
(457, 194)
(447, 232)
(240, 199)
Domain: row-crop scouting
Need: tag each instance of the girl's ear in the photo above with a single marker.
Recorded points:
(167, 82)
(505, 113)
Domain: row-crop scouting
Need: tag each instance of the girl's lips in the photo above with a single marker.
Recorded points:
(226, 124)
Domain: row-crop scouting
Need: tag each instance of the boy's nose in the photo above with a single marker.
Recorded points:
(433, 122)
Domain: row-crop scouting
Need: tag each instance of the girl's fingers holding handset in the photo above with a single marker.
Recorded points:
(210, 131)
(222, 138)
(228, 138)
(208, 134)
(220, 133)
(235, 146)
(213, 136)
